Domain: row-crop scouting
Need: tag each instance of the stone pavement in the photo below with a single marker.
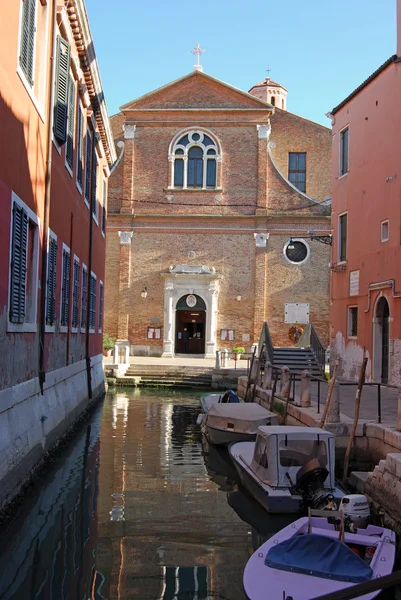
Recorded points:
(369, 399)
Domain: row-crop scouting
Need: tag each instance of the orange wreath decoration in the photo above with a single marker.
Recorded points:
(295, 332)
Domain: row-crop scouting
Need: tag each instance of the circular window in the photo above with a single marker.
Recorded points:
(296, 251)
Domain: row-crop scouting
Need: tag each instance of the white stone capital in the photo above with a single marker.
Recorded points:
(125, 237)
(129, 132)
(263, 131)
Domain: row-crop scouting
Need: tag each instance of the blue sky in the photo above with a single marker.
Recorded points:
(319, 50)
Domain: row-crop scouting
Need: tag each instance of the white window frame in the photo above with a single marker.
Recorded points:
(342, 261)
(174, 145)
(67, 166)
(39, 97)
(75, 260)
(29, 326)
(382, 224)
(92, 330)
(80, 108)
(340, 148)
(50, 328)
(84, 268)
(103, 207)
(101, 287)
(88, 134)
(65, 248)
(95, 213)
(302, 262)
(349, 322)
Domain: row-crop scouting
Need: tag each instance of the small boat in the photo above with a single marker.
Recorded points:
(226, 423)
(289, 468)
(228, 397)
(315, 556)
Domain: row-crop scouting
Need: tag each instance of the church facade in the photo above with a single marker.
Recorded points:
(211, 208)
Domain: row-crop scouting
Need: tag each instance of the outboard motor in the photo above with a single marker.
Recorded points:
(356, 511)
(310, 484)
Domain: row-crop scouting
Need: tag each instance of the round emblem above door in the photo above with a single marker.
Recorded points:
(191, 300)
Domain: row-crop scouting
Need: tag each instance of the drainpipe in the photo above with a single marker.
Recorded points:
(46, 216)
(92, 200)
(374, 287)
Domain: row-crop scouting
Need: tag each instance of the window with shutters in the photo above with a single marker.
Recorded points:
(92, 303)
(84, 297)
(75, 294)
(24, 262)
(194, 157)
(61, 91)
(69, 147)
(343, 152)
(88, 167)
(33, 49)
(80, 147)
(342, 237)
(104, 196)
(27, 39)
(100, 324)
(94, 202)
(51, 281)
(65, 287)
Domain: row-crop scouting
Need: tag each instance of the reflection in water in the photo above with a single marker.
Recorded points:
(128, 512)
(48, 552)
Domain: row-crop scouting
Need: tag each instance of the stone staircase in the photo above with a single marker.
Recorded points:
(168, 376)
(297, 359)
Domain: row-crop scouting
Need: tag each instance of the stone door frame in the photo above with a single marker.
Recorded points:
(177, 285)
(378, 338)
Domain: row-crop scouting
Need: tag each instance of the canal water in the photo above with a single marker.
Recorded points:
(135, 508)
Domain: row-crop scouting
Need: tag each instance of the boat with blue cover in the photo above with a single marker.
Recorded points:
(315, 556)
(227, 397)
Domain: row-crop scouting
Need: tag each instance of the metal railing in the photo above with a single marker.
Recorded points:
(265, 339)
(317, 347)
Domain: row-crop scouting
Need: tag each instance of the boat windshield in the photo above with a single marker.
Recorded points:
(296, 453)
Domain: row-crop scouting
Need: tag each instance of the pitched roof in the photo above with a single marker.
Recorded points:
(199, 74)
(268, 82)
(392, 59)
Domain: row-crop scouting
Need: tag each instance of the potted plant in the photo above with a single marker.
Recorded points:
(108, 344)
(237, 351)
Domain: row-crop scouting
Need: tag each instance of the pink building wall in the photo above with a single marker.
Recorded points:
(370, 193)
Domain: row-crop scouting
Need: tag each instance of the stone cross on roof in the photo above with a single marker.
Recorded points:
(198, 51)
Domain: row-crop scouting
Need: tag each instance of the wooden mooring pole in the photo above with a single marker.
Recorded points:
(330, 392)
(356, 417)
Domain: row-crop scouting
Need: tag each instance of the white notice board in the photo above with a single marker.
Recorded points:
(296, 312)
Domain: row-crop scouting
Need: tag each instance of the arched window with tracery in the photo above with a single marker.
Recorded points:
(194, 156)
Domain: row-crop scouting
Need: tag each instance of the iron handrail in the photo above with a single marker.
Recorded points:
(317, 347)
(265, 339)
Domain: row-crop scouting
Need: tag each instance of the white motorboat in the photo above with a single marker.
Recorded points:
(289, 468)
(314, 556)
(226, 423)
(227, 397)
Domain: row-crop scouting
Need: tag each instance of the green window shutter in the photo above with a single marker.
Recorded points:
(18, 264)
(100, 305)
(94, 185)
(65, 289)
(71, 123)
(28, 32)
(80, 146)
(92, 302)
(51, 283)
(88, 170)
(61, 91)
(84, 297)
(75, 295)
